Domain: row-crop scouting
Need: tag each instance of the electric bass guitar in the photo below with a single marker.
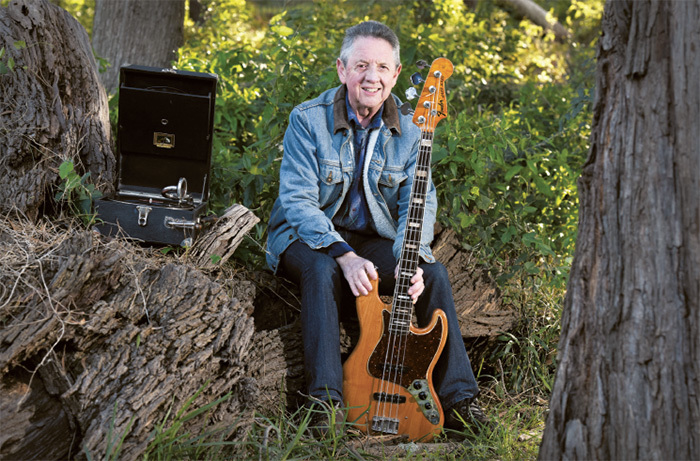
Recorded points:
(387, 380)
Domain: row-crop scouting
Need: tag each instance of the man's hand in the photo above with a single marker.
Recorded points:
(357, 271)
(417, 285)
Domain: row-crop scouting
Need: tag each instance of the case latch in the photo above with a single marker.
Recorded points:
(143, 214)
(175, 223)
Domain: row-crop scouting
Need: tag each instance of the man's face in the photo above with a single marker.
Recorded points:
(369, 75)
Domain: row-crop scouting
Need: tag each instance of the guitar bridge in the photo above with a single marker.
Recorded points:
(385, 425)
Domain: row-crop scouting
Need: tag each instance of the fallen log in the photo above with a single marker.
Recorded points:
(108, 335)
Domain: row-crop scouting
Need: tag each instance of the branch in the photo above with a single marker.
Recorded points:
(538, 15)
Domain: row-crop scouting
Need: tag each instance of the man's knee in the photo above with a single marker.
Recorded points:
(322, 268)
(435, 274)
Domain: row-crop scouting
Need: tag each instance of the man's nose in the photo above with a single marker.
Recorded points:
(372, 73)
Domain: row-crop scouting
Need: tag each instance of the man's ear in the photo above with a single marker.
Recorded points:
(341, 70)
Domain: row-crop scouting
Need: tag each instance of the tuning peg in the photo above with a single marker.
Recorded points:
(422, 64)
(411, 93)
(417, 78)
(406, 108)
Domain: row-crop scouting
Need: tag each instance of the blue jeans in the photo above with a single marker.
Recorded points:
(325, 294)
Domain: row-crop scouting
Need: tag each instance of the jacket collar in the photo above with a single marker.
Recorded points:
(390, 116)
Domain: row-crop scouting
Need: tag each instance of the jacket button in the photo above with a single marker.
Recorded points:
(291, 236)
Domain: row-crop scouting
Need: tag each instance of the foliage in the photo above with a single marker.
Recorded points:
(77, 192)
(506, 160)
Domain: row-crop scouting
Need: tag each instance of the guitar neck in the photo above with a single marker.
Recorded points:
(431, 108)
(402, 308)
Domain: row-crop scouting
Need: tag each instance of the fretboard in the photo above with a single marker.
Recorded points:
(402, 308)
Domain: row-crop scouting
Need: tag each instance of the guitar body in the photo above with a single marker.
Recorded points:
(386, 397)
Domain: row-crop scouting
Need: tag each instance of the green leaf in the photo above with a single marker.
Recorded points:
(543, 187)
(282, 30)
(483, 202)
(65, 169)
(513, 171)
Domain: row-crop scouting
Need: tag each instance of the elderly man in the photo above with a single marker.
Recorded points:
(345, 177)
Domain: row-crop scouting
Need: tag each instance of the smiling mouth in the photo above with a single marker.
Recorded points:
(371, 90)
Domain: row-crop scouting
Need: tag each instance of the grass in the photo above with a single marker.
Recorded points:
(283, 435)
(515, 374)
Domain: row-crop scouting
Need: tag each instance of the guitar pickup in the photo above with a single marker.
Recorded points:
(393, 398)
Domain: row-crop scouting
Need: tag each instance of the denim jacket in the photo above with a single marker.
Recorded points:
(317, 170)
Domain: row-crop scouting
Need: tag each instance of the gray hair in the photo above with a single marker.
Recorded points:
(369, 29)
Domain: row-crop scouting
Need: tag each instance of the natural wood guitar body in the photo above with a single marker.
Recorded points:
(396, 405)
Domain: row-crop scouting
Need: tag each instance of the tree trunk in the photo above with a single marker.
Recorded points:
(628, 380)
(143, 32)
(52, 107)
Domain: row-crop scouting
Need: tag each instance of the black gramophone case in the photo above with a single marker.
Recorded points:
(164, 140)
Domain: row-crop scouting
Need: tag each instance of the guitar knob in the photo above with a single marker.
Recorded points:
(422, 395)
(428, 406)
(417, 385)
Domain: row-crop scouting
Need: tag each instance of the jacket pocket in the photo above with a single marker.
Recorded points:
(389, 184)
(331, 184)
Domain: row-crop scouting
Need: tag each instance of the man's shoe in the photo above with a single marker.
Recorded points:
(325, 415)
(467, 414)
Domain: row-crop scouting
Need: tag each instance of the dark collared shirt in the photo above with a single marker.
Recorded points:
(354, 213)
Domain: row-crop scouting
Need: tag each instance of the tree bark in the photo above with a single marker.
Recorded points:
(52, 107)
(216, 246)
(99, 335)
(143, 32)
(628, 379)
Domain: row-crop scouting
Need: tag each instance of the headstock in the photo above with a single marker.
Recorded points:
(432, 104)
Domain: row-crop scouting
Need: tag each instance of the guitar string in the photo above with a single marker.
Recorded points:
(417, 212)
(401, 311)
(415, 215)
